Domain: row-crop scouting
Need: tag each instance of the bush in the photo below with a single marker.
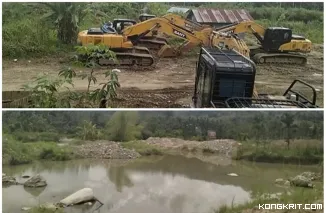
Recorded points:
(274, 152)
(50, 151)
(27, 37)
(14, 152)
(54, 154)
(37, 136)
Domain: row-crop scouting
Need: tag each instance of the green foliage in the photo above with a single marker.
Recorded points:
(187, 125)
(301, 151)
(51, 154)
(36, 136)
(27, 37)
(142, 148)
(49, 151)
(297, 195)
(88, 131)
(90, 54)
(108, 91)
(66, 17)
(288, 119)
(16, 152)
(41, 209)
(45, 92)
(123, 126)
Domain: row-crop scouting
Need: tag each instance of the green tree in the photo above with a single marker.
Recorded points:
(88, 131)
(124, 126)
(67, 17)
(288, 120)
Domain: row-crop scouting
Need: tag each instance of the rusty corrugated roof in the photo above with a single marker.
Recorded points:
(203, 15)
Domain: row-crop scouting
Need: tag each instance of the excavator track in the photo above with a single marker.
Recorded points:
(139, 56)
(129, 59)
(279, 58)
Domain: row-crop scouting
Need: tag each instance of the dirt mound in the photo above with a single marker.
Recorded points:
(221, 146)
(105, 150)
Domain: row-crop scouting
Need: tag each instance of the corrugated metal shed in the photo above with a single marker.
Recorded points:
(177, 10)
(203, 15)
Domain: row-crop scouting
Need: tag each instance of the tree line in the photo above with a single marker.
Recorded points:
(131, 125)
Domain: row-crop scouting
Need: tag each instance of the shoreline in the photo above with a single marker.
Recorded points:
(226, 149)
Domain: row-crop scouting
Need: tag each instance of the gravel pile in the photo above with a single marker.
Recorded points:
(222, 146)
(219, 146)
(105, 150)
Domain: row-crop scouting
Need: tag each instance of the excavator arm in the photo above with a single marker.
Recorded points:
(166, 26)
(186, 23)
(230, 41)
(192, 38)
(245, 27)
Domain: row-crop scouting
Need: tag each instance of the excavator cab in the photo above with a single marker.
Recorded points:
(222, 74)
(225, 79)
(145, 17)
(275, 37)
(120, 24)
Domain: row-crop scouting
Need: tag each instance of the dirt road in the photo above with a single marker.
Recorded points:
(170, 83)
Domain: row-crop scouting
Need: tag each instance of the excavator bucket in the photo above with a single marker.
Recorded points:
(168, 51)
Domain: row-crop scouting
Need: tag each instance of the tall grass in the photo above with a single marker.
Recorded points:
(297, 195)
(301, 151)
(25, 37)
(36, 136)
(15, 152)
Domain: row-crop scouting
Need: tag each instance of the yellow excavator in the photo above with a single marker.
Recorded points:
(124, 40)
(276, 44)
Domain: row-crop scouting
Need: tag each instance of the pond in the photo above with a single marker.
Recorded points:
(167, 184)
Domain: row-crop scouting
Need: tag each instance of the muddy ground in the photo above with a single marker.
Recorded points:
(170, 83)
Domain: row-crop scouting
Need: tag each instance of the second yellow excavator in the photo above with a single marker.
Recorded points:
(276, 44)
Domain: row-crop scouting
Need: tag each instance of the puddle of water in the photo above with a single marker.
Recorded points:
(169, 184)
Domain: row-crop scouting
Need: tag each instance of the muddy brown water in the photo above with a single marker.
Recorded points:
(167, 184)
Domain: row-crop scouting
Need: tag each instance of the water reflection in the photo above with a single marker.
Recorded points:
(35, 192)
(168, 184)
(119, 177)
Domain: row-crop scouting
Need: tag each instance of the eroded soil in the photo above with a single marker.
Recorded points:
(170, 83)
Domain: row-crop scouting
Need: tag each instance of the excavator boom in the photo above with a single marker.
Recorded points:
(192, 38)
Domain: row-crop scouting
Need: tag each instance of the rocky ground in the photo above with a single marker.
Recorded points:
(114, 150)
(105, 150)
(224, 146)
